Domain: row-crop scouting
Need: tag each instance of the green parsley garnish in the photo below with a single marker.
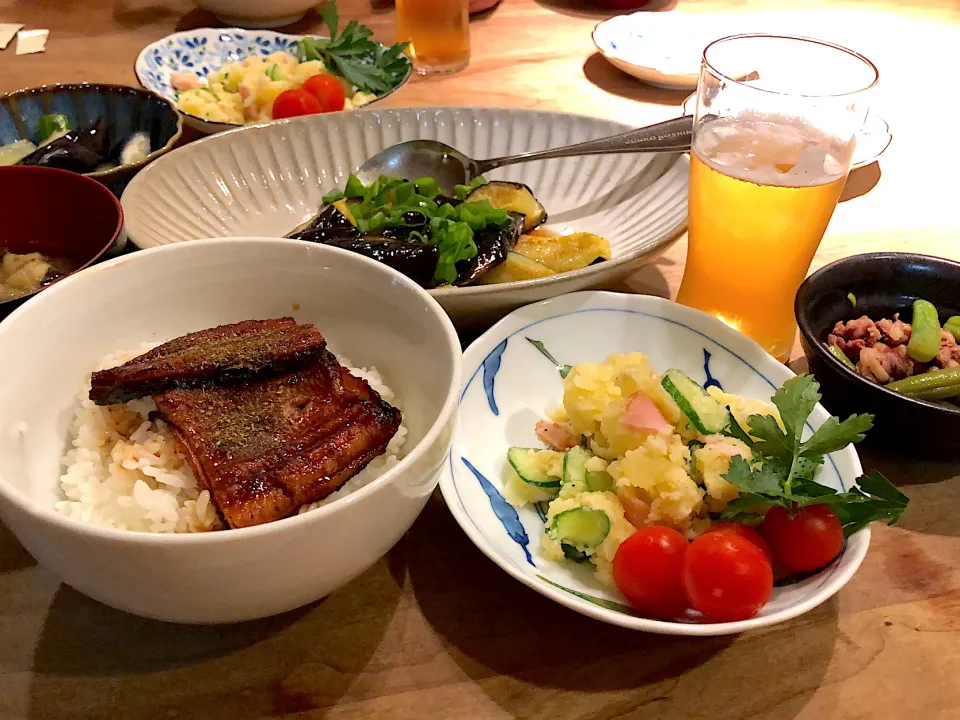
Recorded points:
(369, 65)
(784, 465)
(392, 203)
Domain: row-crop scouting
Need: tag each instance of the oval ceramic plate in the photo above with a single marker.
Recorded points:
(204, 50)
(266, 180)
(508, 386)
(872, 140)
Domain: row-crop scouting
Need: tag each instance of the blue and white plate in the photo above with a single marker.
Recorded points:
(204, 50)
(508, 385)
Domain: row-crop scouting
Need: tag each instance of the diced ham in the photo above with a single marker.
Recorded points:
(635, 510)
(185, 81)
(642, 413)
(556, 436)
(882, 364)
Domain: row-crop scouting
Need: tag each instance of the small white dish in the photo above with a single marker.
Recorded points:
(872, 140)
(508, 386)
(268, 179)
(256, 13)
(661, 49)
(366, 311)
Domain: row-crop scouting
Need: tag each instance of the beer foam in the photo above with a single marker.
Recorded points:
(772, 150)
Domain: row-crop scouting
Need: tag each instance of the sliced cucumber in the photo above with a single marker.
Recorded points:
(599, 481)
(580, 527)
(575, 466)
(525, 464)
(705, 413)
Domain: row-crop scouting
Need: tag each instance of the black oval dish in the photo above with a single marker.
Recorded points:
(882, 283)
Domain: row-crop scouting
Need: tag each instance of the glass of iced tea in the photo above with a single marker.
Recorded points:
(771, 153)
(438, 32)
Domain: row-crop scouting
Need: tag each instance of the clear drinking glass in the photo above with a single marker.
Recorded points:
(774, 132)
(438, 32)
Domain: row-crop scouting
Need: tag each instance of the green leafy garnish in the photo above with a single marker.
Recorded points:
(784, 466)
(461, 191)
(368, 65)
(418, 206)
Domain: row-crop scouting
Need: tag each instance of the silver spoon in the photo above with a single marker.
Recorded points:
(448, 166)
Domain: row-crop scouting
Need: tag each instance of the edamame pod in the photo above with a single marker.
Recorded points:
(841, 356)
(933, 385)
(925, 336)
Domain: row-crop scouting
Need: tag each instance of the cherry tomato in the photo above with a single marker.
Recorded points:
(745, 531)
(809, 539)
(726, 577)
(648, 569)
(327, 89)
(292, 103)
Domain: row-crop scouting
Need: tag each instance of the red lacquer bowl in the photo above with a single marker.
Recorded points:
(57, 213)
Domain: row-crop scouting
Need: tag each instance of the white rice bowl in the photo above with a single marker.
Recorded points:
(123, 470)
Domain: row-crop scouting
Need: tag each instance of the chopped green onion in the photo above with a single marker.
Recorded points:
(51, 125)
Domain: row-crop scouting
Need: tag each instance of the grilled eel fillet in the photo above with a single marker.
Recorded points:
(267, 447)
(225, 355)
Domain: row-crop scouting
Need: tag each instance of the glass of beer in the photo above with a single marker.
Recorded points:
(774, 133)
(438, 32)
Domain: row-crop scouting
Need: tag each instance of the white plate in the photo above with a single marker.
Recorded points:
(267, 179)
(661, 49)
(872, 140)
(508, 386)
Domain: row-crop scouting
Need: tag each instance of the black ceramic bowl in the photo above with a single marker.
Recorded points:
(882, 283)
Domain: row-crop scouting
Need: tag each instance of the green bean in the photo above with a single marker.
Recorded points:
(953, 326)
(841, 356)
(925, 336)
(932, 385)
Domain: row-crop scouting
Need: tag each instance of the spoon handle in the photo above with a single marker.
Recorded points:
(670, 136)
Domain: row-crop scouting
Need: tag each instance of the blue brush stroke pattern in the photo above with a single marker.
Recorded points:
(491, 366)
(505, 512)
(711, 380)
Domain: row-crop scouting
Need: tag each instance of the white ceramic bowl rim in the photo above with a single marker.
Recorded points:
(835, 576)
(470, 290)
(241, 31)
(39, 511)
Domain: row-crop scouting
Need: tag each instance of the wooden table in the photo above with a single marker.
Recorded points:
(435, 630)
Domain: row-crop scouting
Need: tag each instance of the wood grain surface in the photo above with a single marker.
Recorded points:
(435, 630)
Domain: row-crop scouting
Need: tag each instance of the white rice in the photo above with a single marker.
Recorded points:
(123, 470)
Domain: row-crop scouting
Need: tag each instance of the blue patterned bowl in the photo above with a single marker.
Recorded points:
(204, 50)
(126, 110)
(508, 386)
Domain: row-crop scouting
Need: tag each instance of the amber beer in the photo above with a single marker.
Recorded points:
(438, 33)
(762, 191)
